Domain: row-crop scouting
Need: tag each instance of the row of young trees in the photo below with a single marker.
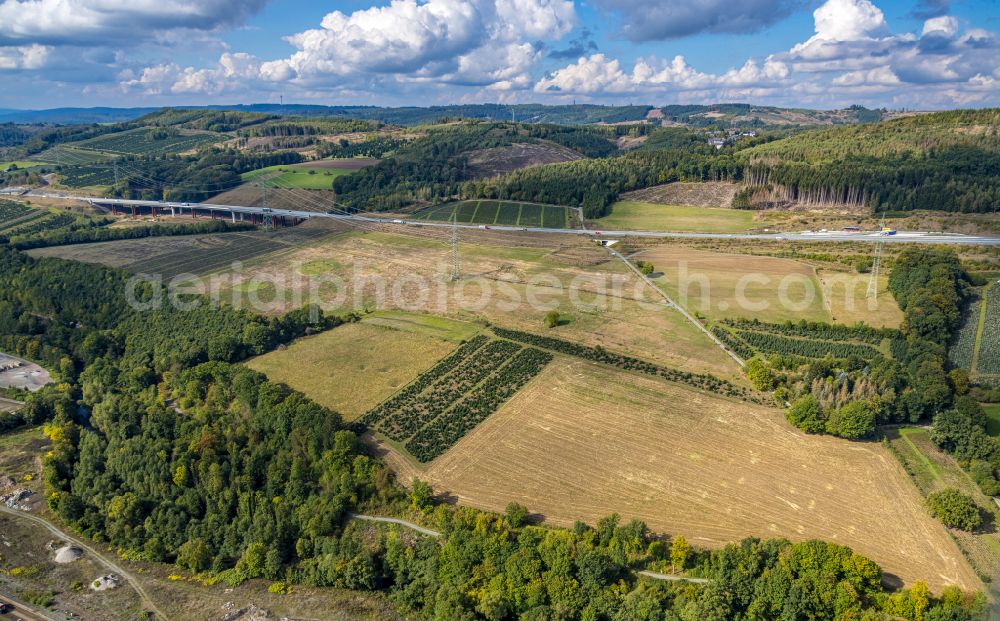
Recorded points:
(477, 404)
(700, 381)
(63, 236)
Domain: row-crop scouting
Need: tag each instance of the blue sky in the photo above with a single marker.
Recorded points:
(917, 54)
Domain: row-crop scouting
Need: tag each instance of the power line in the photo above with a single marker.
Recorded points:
(456, 273)
(876, 264)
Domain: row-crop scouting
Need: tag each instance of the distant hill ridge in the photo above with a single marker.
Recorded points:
(727, 114)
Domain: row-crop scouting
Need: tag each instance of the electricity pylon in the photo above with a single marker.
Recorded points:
(876, 264)
(268, 216)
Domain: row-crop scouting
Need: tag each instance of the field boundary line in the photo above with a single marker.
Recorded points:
(148, 601)
(682, 310)
(980, 329)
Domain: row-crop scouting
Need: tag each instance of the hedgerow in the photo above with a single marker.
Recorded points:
(816, 330)
(705, 382)
(767, 343)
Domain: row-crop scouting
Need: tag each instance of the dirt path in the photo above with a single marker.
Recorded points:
(114, 567)
(672, 304)
(977, 348)
(21, 611)
(436, 534)
(656, 576)
(403, 523)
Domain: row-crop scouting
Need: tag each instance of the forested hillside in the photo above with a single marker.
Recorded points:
(919, 135)
(433, 168)
(946, 161)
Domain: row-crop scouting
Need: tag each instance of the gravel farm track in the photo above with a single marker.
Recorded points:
(111, 565)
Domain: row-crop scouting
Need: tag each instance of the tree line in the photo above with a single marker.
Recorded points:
(63, 236)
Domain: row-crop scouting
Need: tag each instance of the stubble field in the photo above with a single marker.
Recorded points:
(723, 285)
(582, 441)
(354, 367)
(508, 285)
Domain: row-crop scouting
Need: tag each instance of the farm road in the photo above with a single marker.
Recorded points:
(681, 309)
(100, 558)
(403, 523)
(436, 534)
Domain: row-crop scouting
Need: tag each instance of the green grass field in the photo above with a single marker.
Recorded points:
(5, 166)
(993, 419)
(354, 367)
(428, 325)
(627, 215)
(501, 213)
(296, 178)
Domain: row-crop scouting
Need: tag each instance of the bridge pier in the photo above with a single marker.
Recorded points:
(234, 216)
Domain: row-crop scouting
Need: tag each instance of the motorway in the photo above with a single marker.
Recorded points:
(817, 236)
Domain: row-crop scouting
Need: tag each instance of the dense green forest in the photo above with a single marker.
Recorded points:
(917, 135)
(433, 168)
(12, 135)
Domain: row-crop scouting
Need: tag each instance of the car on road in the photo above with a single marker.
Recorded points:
(5, 608)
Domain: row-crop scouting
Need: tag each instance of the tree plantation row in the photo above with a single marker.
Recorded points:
(443, 404)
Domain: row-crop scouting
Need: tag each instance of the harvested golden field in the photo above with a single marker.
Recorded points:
(582, 441)
(353, 367)
(723, 285)
(602, 302)
(845, 299)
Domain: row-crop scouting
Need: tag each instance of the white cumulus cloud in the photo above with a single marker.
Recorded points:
(113, 22)
(24, 56)
(483, 43)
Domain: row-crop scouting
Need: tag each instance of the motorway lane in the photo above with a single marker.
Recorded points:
(829, 236)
